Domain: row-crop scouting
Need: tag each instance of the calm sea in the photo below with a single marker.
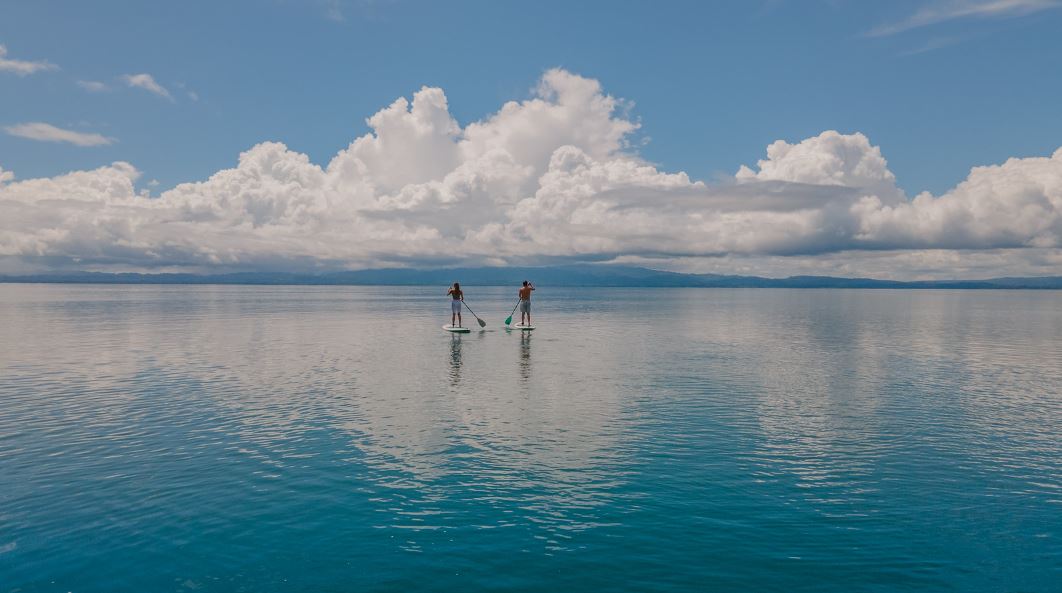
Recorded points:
(237, 438)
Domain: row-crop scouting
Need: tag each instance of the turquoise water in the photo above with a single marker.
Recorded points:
(223, 438)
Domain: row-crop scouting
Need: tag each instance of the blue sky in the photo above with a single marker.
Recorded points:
(712, 82)
(768, 137)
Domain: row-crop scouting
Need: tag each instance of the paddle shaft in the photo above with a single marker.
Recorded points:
(509, 319)
(481, 322)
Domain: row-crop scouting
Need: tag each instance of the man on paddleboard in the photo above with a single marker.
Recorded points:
(525, 302)
(455, 303)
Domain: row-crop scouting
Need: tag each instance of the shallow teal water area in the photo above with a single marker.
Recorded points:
(228, 438)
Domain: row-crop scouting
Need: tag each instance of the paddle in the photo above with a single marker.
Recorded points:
(509, 319)
(481, 322)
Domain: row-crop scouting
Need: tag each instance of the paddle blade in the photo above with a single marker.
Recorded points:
(508, 320)
(481, 322)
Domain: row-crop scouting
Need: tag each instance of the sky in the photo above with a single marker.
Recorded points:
(907, 139)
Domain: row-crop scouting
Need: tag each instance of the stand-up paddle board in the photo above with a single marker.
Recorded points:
(456, 329)
(526, 328)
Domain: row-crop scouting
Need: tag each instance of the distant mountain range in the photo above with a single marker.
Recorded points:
(572, 275)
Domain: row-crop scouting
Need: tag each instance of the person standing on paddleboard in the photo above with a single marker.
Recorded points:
(457, 296)
(525, 302)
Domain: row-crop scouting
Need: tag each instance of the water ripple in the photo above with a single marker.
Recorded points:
(315, 438)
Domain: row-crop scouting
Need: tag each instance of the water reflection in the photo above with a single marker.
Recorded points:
(819, 377)
(455, 359)
(279, 373)
(740, 412)
(525, 355)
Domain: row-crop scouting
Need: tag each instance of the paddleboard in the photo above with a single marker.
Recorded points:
(456, 330)
(521, 326)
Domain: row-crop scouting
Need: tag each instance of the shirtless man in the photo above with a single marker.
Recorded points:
(525, 302)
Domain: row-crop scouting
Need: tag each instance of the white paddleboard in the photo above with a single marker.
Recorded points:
(456, 329)
(523, 327)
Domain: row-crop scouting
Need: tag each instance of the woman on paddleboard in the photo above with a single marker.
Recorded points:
(455, 303)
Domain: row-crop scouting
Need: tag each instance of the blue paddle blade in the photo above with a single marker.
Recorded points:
(509, 319)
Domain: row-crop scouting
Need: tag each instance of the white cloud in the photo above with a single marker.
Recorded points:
(411, 143)
(22, 67)
(832, 159)
(549, 178)
(146, 82)
(49, 133)
(903, 264)
(93, 86)
(940, 11)
(567, 110)
(1016, 204)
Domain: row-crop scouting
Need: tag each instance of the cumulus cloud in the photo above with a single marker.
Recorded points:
(22, 67)
(147, 82)
(549, 178)
(49, 133)
(831, 158)
(1016, 204)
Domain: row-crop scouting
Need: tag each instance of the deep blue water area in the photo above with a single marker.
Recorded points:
(243, 438)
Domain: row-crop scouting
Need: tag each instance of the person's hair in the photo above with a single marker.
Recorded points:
(525, 282)
(457, 286)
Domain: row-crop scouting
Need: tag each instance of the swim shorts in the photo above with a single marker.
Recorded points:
(455, 306)
(525, 306)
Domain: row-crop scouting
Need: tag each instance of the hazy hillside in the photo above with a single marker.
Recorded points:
(574, 275)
